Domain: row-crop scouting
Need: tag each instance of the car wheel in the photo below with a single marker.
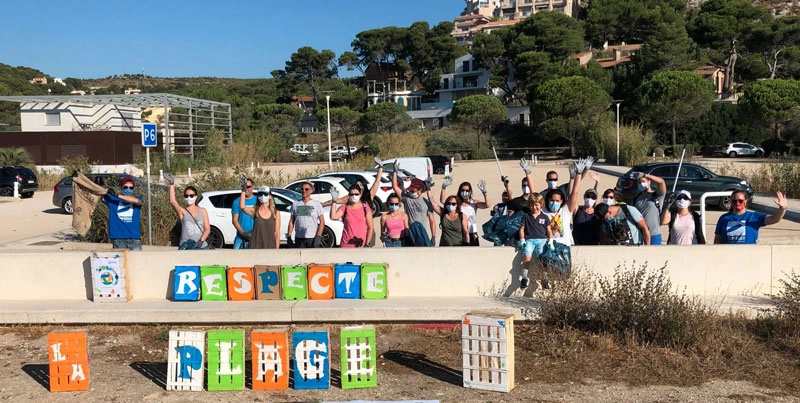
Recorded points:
(440, 171)
(759, 154)
(215, 238)
(26, 195)
(328, 239)
(732, 154)
(725, 202)
(376, 206)
(6, 191)
(67, 205)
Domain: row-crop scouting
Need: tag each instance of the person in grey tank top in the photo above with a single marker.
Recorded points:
(195, 226)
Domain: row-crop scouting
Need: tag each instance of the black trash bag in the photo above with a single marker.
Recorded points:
(557, 257)
(502, 230)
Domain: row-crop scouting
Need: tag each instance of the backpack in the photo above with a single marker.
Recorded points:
(618, 232)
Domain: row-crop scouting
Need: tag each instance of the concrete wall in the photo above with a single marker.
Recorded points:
(713, 270)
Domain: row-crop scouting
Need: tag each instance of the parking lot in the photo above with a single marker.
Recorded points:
(36, 223)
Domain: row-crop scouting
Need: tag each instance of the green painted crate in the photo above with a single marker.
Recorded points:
(213, 283)
(358, 357)
(294, 282)
(225, 360)
(373, 281)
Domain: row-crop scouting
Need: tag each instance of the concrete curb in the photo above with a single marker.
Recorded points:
(757, 205)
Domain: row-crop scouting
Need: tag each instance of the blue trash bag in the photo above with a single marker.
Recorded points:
(187, 244)
(557, 257)
(502, 230)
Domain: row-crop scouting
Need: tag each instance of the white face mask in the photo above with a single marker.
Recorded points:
(263, 199)
(588, 202)
(413, 195)
(683, 203)
(189, 200)
(355, 198)
(552, 184)
(609, 201)
(644, 186)
(526, 189)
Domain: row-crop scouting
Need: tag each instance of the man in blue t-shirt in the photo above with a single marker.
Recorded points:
(124, 212)
(739, 226)
(243, 222)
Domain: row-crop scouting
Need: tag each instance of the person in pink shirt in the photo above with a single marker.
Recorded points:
(394, 224)
(356, 217)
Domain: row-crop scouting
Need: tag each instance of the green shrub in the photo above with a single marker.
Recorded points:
(641, 304)
(571, 302)
(634, 144)
(14, 156)
(770, 177)
(79, 163)
(482, 154)
(787, 301)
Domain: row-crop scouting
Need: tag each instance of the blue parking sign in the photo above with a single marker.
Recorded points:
(149, 135)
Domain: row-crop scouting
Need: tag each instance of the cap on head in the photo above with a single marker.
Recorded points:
(416, 184)
(590, 192)
(125, 180)
(262, 189)
(686, 193)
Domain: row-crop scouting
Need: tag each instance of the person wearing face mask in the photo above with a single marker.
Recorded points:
(649, 202)
(307, 220)
(454, 224)
(195, 226)
(685, 227)
(739, 226)
(356, 217)
(419, 211)
(266, 220)
(621, 225)
(586, 226)
(394, 224)
(552, 184)
(520, 203)
(469, 207)
(609, 197)
(124, 212)
(560, 209)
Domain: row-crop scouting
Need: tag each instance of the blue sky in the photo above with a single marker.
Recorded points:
(182, 38)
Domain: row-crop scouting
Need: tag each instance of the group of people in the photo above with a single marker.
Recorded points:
(551, 214)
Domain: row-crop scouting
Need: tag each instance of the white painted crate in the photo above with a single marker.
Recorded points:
(177, 339)
(487, 347)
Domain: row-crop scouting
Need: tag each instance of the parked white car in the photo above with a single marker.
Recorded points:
(420, 167)
(218, 203)
(342, 150)
(741, 149)
(384, 190)
(322, 187)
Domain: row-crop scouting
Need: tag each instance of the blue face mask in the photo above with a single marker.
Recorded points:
(393, 208)
(451, 208)
(127, 192)
(553, 206)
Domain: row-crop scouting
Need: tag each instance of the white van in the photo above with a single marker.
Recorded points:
(421, 167)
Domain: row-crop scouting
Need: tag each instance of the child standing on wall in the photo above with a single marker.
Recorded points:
(533, 235)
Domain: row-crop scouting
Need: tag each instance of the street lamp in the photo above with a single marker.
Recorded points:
(617, 102)
(328, 109)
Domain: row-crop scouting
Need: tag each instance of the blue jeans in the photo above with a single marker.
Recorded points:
(393, 243)
(239, 243)
(127, 243)
(655, 239)
(304, 242)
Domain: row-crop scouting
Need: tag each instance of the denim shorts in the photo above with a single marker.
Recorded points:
(534, 245)
(127, 243)
(393, 243)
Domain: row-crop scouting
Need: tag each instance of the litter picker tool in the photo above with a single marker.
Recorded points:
(678, 174)
(498, 161)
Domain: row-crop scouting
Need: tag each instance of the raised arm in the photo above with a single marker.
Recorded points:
(445, 183)
(172, 202)
(395, 187)
(485, 203)
(782, 205)
(661, 185)
(526, 167)
(572, 199)
(377, 184)
(245, 208)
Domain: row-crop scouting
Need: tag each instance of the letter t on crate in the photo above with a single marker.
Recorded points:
(69, 361)
(348, 280)
(185, 360)
(487, 347)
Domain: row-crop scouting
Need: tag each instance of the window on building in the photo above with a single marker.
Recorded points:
(53, 119)
(445, 83)
(470, 82)
(465, 66)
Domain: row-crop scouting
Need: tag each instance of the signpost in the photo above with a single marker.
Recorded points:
(149, 141)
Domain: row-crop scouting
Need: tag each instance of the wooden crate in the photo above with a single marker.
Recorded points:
(186, 360)
(110, 280)
(373, 281)
(358, 357)
(294, 282)
(487, 347)
(213, 283)
(268, 282)
(312, 367)
(241, 284)
(226, 359)
(68, 359)
(320, 281)
(270, 357)
(186, 283)
(348, 280)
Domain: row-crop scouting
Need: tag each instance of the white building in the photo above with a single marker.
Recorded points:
(66, 117)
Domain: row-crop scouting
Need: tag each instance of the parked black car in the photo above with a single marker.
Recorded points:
(26, 180)
(694, 178)
(439, 163)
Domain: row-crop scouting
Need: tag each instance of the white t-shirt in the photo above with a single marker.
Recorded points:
(682, 232)
(469, 212)
(306, 218)
(565, 218)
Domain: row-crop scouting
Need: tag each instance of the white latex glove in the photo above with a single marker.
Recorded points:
(482, 186)
(447, 182)
(580, 165)
(526, 165)
(379, 162)
(573, 170)
(589, 161)
(334, 195)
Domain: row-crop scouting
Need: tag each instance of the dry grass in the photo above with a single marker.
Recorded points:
(769, 177)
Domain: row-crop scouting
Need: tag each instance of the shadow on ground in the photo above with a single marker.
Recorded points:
(40, 373)
(421, 364)
(156, 372)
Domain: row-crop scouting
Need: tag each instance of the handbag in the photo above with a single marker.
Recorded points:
(557, 257)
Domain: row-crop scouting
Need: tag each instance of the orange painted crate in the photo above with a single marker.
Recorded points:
(241, 284)
(68, 357)
(320, 281)
(270, 357)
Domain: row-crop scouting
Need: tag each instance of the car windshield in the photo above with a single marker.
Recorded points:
(289, 194)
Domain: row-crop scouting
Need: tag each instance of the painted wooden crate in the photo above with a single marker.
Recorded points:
(270, 357)
(358, 357)
(312, 367)
(110, 280)
(68, 359)
(225, 359)
(487, 347)
(186, 360)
